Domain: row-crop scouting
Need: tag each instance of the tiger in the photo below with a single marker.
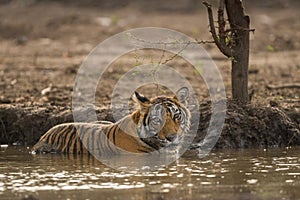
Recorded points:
(159, 122)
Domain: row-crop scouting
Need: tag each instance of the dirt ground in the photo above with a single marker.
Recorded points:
(43, 44)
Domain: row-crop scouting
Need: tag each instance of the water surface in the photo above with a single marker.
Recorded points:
(239, 174)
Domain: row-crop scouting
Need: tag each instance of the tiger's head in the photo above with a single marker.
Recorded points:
(163, 120)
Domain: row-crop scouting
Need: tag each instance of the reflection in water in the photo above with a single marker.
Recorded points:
(244, 174)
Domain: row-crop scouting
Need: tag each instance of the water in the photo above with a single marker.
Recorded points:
(239, 174)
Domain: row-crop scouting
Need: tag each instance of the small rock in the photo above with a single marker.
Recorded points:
(13, 82)
(20, 100)
(44, 99)
(273, 103)
(5, 101)
(103, 21)
(21, 40)
(285, 75)
(46, 90)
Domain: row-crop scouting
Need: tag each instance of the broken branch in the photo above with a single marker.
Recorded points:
(221, 44)
(221, 22)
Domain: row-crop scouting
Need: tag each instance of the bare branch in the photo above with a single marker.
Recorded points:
(175, 55)
(221, 22)
(184, 43)
(283, 86)
(202, 42)
(223, 48)
(162, 55)
(172, 43)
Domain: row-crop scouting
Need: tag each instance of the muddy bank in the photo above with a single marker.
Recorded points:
(245, 126)
(253, 126)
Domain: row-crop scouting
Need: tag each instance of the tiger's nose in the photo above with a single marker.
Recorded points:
(171, 137)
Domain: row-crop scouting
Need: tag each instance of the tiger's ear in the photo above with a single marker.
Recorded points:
(143, 101)
(182, 95)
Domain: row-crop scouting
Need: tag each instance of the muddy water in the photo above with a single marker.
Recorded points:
(243, 174)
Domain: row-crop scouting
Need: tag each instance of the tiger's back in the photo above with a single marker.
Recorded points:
(91, 138)
(69, 137)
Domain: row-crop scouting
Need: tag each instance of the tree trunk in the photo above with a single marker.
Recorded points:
(239, 24)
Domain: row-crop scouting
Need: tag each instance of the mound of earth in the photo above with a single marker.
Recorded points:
(245, 126)
(249, 126)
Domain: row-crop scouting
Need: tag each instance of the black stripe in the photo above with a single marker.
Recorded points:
(112, 129)
(99, 142)
(94, 129)
(73, 133)
(80, 144)
(75, 146)
(83, 138)
(49, 133)
(108, 132)
(87, 134)
(62, 131)
(56, 135)
(114, 136)
(59, 141)
(144, 120)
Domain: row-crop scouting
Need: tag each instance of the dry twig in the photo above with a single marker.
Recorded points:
(283, 86)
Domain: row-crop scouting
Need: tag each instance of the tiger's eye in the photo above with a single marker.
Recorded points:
(178, 117)
(156, 121)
